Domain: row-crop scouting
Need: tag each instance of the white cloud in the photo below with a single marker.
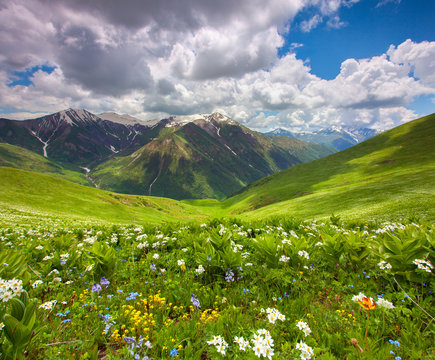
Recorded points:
(308, 25)
(419, 57)
(154, 58)
(385, 2)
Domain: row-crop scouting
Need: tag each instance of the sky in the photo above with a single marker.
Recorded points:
(293, 64)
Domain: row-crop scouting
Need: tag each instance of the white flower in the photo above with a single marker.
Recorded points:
(9, 289)
(385, 303)
(200, 269)
(220, 343)
(306, 351)
(273, 315)
(37, 283)
(359, 297)
(423, 265)
(383, 265)
(156, 256)
(48, 305)
(243, 344)
(284, 258)
(262, 344)
(89, 267)
(180, 262)
(303, 253)
(303, 326)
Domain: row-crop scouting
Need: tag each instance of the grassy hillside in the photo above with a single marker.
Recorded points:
(45, 195)
(388, 176)
(21, 158)
(392, 173)
(195, 161)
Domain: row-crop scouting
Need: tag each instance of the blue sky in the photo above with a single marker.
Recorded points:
(369, 30)
(295, 64)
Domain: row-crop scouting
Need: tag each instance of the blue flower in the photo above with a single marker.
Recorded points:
(96, 288)
(195, 302)
(104, 282)
(173, 352)
(66, 320)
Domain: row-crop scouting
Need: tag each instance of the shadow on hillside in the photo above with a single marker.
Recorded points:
(414, 146)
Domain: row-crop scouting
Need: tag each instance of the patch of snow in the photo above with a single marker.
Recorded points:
(44, 148)
(72, 116)
(85, 169)
(185, 119)
(230, 149)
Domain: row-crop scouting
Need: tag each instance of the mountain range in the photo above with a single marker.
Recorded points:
(185, 157)
(337, 137)
(389, 176)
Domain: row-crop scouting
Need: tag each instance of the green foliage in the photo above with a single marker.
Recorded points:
(19, 327)
(402, 249)
(16, 267)
(103, 258)
(306, 271)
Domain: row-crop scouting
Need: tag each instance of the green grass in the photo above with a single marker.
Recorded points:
(45, 195)
(88, 289)
(392, 173)
(21, 158)
(388, 176)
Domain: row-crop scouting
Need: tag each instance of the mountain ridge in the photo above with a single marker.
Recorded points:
(337, 137)
(178, 157)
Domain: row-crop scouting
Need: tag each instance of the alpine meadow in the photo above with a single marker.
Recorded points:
(198, 180)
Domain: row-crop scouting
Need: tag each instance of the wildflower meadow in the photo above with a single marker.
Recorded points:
(222, 289)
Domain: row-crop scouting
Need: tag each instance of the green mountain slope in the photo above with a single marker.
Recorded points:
(47, 196)
(391, 173)
(388, 176)
(203, 159)
(20, 158)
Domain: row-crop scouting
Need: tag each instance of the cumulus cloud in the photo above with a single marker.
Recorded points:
(419, 57)
(152, 59)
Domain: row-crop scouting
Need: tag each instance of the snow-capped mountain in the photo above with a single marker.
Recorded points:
(337, 137)
(195, 156)
(73, 136)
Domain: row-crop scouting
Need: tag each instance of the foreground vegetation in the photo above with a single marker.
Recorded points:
(281, 289)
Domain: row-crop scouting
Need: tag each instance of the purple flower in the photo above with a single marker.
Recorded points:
(104, 282)
(96, 288)
(153, 267)
(195, 301)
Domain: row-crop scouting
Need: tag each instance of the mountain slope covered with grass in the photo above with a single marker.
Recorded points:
(21, 158)
(206, 156)
(391, 173)
(46, 196)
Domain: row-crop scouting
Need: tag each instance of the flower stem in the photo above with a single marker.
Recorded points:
(367, 329)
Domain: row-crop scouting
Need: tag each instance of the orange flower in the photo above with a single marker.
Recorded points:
(367, 303)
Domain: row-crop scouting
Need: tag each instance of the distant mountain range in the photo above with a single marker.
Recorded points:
(196, 156)
(337, 137)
